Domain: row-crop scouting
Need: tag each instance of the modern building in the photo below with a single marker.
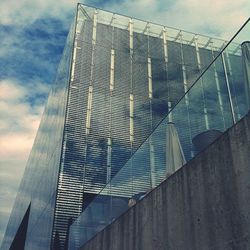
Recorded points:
(117, 79)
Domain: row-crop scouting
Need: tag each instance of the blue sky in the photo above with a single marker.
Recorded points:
(33, 33)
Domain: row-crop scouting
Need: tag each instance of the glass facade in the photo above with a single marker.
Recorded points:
(217, 99)
(118, 78)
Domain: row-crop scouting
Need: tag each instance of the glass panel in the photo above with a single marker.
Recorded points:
(200, 117)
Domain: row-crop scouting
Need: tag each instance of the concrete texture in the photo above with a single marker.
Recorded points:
(205, 205)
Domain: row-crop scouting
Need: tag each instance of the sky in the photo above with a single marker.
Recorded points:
(32, 38)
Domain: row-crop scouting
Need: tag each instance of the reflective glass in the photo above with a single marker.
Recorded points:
(203, 113)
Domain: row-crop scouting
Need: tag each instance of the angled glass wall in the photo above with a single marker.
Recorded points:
(37, 191)
(126, 75)
(216, 101)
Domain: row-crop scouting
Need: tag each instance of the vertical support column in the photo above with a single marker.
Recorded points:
(131, 137)
(150, 87)
(218, 86)
(164, 34)
(183, 66)
(152, 162)
(197, 52)
(89, 109)
(230, 73)
(77, 32)
(202, 83)
(90, 92)
(131, 96)
(93, 46)
(109, 160)
(131, 117)
(131, 101)
(228, 88)
(112, 68)
(111, 89)
(73, 63)
(185, 83)
(131, 44)
(150, 96)
(165, 48)
(170, 118)
(109, 141)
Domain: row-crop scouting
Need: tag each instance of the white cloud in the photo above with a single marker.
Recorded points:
(224, 16)
(211, 17)
(24, 12)
(19, 118)
(17, 113)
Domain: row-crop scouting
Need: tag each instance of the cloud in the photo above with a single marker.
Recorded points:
(211, 17)
(19, 117)
(29, 52)
(25, 12)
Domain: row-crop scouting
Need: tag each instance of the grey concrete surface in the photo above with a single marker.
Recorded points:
(205, 205)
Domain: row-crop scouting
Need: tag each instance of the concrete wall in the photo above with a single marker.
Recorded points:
(205, 205)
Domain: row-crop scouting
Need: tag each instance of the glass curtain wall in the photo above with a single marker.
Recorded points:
(214, 103)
